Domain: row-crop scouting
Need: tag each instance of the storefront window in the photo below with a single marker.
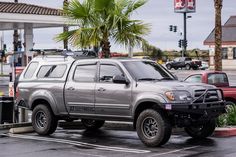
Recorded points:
(224, 53)
(234, 53)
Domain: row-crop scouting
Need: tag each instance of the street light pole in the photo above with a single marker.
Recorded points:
(185, 35)
(2, 42)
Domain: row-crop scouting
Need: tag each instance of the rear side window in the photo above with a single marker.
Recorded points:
(217, 78)
(31, 70)
(85, 73)
(194, 79)
(51, 71)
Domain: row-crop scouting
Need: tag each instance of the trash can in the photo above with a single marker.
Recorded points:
(6, 109)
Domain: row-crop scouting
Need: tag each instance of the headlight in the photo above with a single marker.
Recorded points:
(178, 95)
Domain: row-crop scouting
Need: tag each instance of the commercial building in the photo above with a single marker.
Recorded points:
(228, 45)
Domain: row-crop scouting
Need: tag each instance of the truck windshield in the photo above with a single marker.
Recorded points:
(147, 71)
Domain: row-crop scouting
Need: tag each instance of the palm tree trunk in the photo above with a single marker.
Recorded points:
(65, 29)
(218, 35)
(105, 44)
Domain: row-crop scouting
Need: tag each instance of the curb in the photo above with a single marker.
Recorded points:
(225, 132)
(14, 125)
(20, 130)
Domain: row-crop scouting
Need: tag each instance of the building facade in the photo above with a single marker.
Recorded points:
(228, 45)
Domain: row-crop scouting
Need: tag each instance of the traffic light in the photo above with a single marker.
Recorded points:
(174, 28)
(171, 28)
(180, 43)
(185, 43)
(4, 50)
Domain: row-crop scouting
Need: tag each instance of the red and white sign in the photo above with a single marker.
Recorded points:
(11, 89)
(182, 6)
(18, 70)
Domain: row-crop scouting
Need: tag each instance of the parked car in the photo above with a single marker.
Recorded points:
(218, 79)
(183, 62)
(204, 66)
(136, 90)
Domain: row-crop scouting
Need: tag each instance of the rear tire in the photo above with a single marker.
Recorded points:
(43, 120)
(202, 131)
(92, 124)
(168, 66)
(153, 128)
(187, 66)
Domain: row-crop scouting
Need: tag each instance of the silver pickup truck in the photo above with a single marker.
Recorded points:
(94, 90)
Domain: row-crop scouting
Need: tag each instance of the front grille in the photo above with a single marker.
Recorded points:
(206, 96)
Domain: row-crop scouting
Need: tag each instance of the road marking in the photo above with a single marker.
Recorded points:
(76, 143)
(173, 151)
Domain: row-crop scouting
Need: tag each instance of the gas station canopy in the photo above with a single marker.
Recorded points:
(15, 15)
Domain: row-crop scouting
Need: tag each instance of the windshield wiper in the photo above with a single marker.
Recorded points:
(148, 79)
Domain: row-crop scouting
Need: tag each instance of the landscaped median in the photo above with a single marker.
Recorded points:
(227, 123)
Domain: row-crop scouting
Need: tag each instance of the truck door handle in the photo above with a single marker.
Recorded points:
(71, 88)
(101, 89)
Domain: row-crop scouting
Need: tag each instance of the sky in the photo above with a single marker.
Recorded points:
(159, 13)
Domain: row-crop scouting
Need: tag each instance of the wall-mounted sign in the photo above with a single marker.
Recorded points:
(182, 6)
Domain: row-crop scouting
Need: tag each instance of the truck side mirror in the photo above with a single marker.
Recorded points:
(120, 79)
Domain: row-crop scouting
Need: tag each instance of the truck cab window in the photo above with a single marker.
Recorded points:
(85, 73)
(107, 72)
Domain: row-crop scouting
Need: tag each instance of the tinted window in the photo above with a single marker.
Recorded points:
(147, 70)
(85, 73)
(31, 70)
(217, 78)
(52, 71)
(234, 52)
(107, 72)
(188, 59)
(194, 79)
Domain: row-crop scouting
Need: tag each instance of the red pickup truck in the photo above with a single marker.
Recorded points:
(219, 79)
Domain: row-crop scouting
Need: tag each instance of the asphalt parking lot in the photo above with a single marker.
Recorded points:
(110, 142)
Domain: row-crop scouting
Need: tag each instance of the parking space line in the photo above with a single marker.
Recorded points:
(173, 151)
(76, 143)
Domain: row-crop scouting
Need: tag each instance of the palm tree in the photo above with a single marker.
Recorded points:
(65, 28)
(101, 21)
(218, 35)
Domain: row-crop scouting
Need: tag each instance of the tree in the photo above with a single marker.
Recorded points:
(100, 21)
(218, 35)
(153, 52)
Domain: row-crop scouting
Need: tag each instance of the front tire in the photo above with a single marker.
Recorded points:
(153, 128)
(187, 66)
(92, 124)
(202, 131)
(43, 120)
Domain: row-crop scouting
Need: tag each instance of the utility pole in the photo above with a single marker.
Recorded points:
(185, 35)
(185, 6)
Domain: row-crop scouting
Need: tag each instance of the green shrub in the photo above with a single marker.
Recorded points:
(229, 118)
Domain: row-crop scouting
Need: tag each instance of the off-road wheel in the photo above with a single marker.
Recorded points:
(153, 128)
(168, 66)
(187, 66)
(203, 131)
(92, 124)
(43, 120)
